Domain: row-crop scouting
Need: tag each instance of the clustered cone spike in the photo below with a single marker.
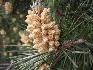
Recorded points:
(42, 29)
(1, 1)
(44, 67)
(8, 7)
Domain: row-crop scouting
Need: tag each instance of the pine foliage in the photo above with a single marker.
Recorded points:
(75, 20)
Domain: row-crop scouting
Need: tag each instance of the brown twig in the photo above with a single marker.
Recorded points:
(71, 43)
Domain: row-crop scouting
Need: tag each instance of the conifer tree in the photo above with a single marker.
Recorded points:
(46, 34)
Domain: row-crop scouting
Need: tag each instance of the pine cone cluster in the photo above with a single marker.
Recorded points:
(43, 30)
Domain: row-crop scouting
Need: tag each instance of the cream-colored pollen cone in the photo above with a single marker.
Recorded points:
(8, 7)
(42, 29)
(1, 1)
(43, 67)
